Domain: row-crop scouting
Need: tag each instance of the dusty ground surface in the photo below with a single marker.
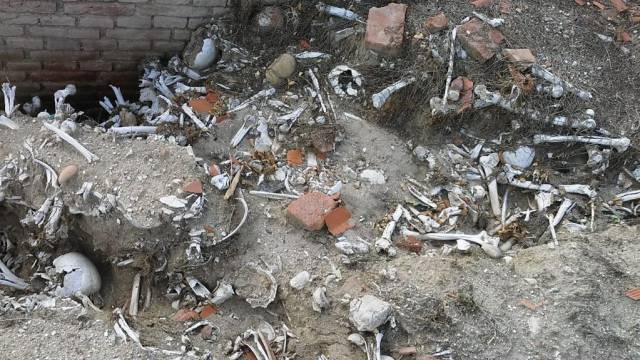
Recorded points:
(540, 302)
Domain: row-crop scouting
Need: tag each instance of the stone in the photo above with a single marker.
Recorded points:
(310, 209)
(480, 40)
(206, 332)
(67, 173)
(437, 23)
(373, 176)
(300, 280)
(280, 69)
(368, 313)
(521, 158)
(270, 19)
(385, 29)
(522, 58)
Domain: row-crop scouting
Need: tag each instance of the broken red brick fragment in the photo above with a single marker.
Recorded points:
(207, 311)
(481, 3)
(436, 23)
(623, 36)
(294, 157)
(410, 243)
(633, 294)
(338, 221)
(619, 5)
(310, 209)
(185, 315)
(385, 29)
(480, 40)
(464, 86)
(194, 187)
(522, 58)
(201, 105)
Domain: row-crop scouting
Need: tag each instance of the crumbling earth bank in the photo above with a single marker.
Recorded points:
(373, 183)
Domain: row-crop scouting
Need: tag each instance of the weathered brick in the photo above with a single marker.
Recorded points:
(97, 45)
(18, 19)
(11, 54)
(134, 22)
(63, 76)
(80, 33)
(480, 40)
(126, 34)
(134, 44)
(48, 31)
(174, 10)
(309, 210)
(23, 65)
(52, 55)
(122, 78)
(25, 43)
(57, 20)
(125, 65)
(123, 55)
(195, 22)
(14, 76)
(179, 34)
(95, 21)
(62, 44)
(98, 8)
(60, 65)
(385, 29)
(161, 45)
(95, 65)
(169, 22)
(11, 30)
(174, 2)
(22, 6)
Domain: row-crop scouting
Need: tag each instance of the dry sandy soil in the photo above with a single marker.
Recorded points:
(539, 302)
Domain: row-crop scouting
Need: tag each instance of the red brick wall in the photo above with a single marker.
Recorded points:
(45, 44)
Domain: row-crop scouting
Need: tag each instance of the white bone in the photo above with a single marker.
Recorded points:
(118, 93)
(578, 189)
(306, 55)
(260, 94)
(338, 12)
(8, 278)
(620, 144)
(187, 110)
(558, 84)
(9, 98)
(132, 130)
(627, 196)
(494, 198)
(135, 295)
(61, 95)
(381, 97)
(73, 142)
(271, 195)
(316, 85)
(493, 22)
(5, 121)
(182, 88)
